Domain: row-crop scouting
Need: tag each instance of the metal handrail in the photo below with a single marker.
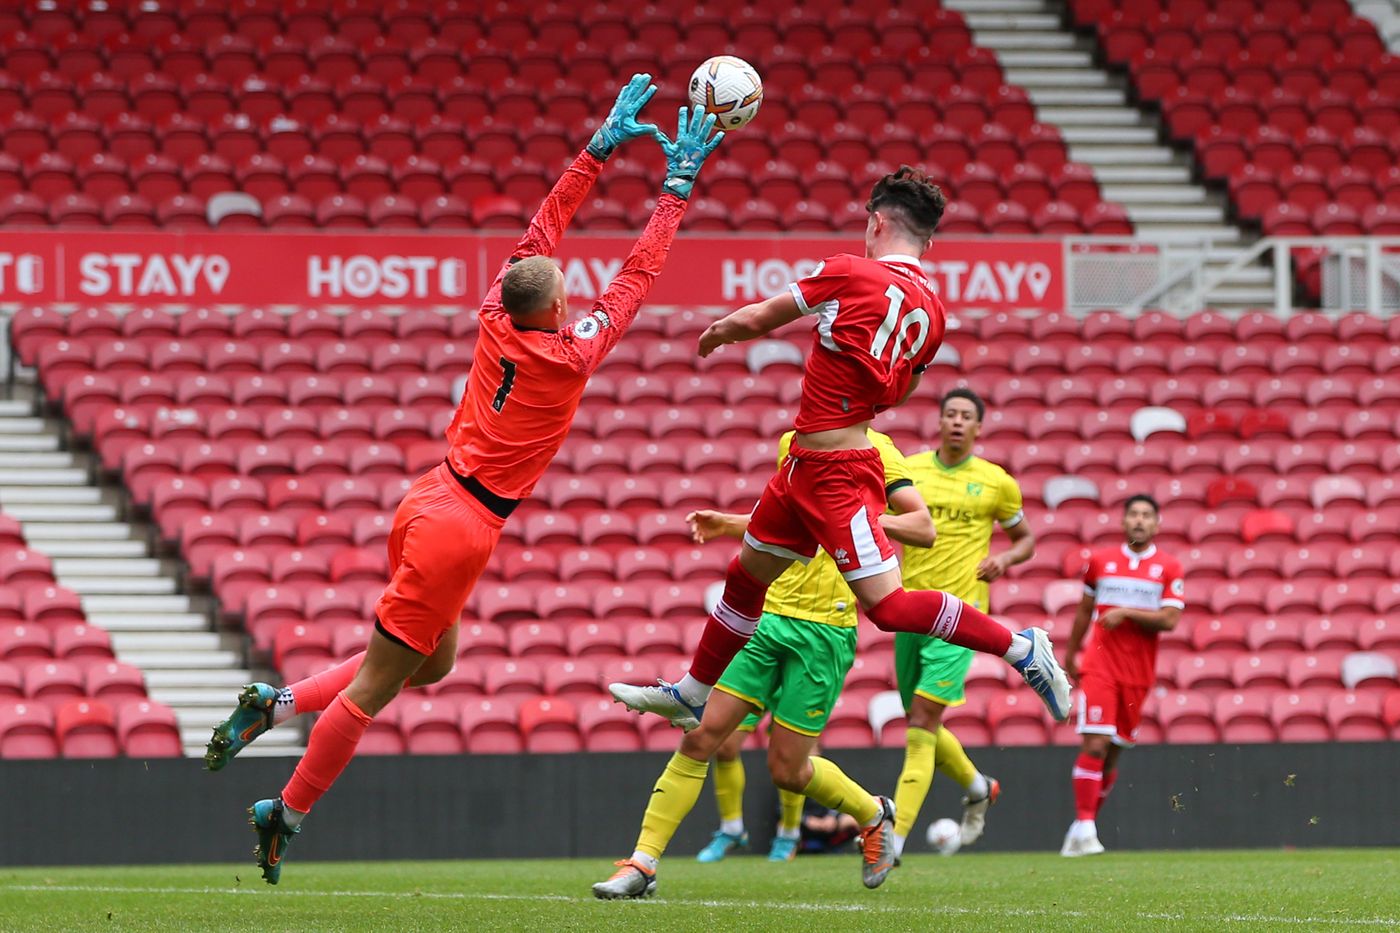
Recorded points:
(1196, 298)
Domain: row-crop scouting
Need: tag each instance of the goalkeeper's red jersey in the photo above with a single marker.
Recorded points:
(525, 385)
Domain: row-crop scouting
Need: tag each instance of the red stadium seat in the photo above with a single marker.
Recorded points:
(1017, 719)
(1260, 671)
(537, 639)
(1301, 717)
(1315, 670)
(512, 677)
(1327, 633)
(1201, 673)
(27, 730)
(489, 726)
(463, 681)
(1244, 717)
(549, 724)
(114, 681)
(607, 727)
(61, 610)
(594, 639)
(430, 726)
(1266, 524)
(1357, 717)
(53, 682)
(1187, 718)
(77, 641)
(1219, 634)
(86, 729)
(579, 678)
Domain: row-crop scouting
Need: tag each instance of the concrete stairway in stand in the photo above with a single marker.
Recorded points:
(1106, 131)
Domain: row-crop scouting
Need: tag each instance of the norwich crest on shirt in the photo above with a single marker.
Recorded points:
(974, 489)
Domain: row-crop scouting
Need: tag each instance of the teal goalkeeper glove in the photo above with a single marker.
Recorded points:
(685, 156)
(621, 123)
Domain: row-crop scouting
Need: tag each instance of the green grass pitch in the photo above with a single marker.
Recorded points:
(1250, 890)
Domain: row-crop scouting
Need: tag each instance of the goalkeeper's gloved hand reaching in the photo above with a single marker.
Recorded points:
(687, 153)
(621, 123)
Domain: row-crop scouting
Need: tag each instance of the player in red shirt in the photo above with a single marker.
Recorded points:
(527, 378)
(878, 325)
(1134, 592)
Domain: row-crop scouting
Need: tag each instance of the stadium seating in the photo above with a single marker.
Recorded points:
(219, 116)
(1292, 107)
(61, 690)
(275, 484)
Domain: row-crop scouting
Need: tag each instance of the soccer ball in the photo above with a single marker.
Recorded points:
(945, 836)
(729, 88)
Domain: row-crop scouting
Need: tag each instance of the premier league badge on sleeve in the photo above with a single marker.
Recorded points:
(588, 327)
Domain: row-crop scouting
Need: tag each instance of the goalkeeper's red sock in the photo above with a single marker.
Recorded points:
(329, 750)
(1087, 779)
(1109, 777)
(315, 693)
(730, 626)
(931, 612)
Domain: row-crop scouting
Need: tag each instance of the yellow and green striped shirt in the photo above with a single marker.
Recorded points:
(964, 501)
(817, 592)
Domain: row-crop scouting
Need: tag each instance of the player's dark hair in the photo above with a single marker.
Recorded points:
(1142, 497)
(528, 284)
(910, 197)
(968, 394)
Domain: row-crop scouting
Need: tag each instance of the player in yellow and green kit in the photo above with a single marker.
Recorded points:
(814, 593)
(794, 667)
(966, 496)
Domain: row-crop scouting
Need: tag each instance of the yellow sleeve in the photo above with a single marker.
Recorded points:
(896, 468)
(1009, 502)
(784, 445)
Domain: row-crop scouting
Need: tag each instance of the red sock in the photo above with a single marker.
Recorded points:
(730, 626)
(1108, 778)
(930, 612)
(1088, 786)
(316, 692)
(332, 745)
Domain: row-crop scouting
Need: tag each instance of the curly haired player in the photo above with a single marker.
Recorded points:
(878, 325)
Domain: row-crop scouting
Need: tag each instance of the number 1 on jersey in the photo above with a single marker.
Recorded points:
(507, 383)
(893, 318)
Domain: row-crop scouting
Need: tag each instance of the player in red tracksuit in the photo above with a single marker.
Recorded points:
(528, 375)
(878, 325)
(1133, 593)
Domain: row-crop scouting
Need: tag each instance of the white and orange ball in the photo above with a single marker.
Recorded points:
(729, 88)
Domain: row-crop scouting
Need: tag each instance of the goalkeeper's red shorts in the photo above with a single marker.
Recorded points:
(440, 542)
(827, 498)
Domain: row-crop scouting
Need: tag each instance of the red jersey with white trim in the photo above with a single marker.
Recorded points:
(878, 324)
(525, 385)
(1119, 578)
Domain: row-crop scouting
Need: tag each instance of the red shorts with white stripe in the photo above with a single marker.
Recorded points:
(1107, 707)
(830, 499)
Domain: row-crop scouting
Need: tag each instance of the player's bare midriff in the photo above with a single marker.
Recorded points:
(851, 437)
